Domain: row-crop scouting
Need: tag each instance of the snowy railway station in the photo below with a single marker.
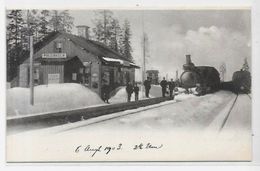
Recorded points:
(74, 93)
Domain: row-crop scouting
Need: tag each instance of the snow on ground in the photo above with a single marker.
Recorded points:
(240, 116)
(121, 96)
(185, 112)
(52, 97)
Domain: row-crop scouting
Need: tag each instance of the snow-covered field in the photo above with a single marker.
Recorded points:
(52, 97)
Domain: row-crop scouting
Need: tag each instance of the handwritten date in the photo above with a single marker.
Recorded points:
(105, 149)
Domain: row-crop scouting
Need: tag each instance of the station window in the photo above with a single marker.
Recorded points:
(74, 76)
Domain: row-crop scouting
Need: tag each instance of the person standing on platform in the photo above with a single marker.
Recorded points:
(129, 90)
(147, 86)
(163, 84)
(106, 90)
(136, 90)
(171, 88)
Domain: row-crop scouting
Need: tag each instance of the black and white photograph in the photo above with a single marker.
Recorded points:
(137, 85)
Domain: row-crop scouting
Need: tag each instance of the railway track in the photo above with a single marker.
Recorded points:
(230, 110)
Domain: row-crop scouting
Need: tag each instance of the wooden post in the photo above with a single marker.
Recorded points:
(84, 75)
(90, 78)
(31, 72)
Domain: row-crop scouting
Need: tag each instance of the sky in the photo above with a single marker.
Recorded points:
(211, 37)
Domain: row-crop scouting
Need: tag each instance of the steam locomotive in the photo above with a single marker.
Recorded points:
(205, 78)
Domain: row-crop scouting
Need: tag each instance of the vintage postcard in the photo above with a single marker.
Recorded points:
(128, 85)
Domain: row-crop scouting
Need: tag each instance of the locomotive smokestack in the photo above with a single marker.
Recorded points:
(188, 60)
(189, 65)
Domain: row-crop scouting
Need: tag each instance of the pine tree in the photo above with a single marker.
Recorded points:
(61, 21)
(34, 24)
(125, 43)
(55, 20)
(43, 23)
(103, 26)
(66, 21)
(31, 27)
(14, 27)
(115, 35)
(14, 41)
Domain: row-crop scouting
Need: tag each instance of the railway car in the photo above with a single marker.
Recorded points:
(205, 78)
(241, 81)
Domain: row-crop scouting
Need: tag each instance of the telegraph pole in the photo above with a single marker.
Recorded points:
(31, 61)
(144, 70)
(31, 72)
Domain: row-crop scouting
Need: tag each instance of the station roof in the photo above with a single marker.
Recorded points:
(91, 46)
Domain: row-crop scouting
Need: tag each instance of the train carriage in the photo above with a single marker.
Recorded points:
(241, 81)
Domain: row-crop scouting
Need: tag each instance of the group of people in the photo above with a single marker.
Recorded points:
(164, 84)
(133, 88)
(171, 85)
(130, 89)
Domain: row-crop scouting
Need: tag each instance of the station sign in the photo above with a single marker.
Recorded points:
(54, 55)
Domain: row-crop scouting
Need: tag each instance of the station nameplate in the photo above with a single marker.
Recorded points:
(54, 55)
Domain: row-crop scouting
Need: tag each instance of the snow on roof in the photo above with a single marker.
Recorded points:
(122, 62)
(113, 60)
(133, 64)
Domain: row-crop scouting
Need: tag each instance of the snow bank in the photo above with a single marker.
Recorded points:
(180, 90)
(52, 97)
(121, 96)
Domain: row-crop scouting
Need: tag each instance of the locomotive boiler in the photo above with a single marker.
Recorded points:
(205, 78)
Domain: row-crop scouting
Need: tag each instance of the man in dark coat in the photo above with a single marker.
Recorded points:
(106, 90)
(136, 90)
(164, 86)
(129, 90)
(147, 86)
(171, 85)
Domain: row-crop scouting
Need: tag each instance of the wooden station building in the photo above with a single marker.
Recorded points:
(66, 58)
